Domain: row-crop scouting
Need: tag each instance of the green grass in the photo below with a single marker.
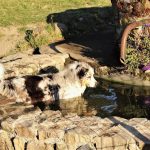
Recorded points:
(26, 14)
(23, 12)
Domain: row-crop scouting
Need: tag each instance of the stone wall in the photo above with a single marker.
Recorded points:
(24, 127)
(24, 64)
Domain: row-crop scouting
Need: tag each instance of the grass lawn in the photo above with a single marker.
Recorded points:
(23, 12)
(26, 15)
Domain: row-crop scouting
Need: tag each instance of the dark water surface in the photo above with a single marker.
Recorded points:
(107, 99)
(111, 99)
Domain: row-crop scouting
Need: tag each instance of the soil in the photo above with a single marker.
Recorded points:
(9, 37)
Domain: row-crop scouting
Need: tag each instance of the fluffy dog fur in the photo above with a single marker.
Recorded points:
(69, 83)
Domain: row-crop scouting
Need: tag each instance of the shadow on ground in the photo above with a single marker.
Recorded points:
(82, 21)
(91, 28)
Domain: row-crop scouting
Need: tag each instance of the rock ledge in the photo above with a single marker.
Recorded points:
(24, 127)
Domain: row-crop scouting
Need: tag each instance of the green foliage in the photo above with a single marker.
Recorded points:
(136, 58)
(145, 43)
(31, 39)
(138, 51)
(36, 41)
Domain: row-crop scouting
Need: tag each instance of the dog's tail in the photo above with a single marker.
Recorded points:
(2, 70)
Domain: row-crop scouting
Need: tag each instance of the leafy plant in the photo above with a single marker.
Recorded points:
(138, 51)
(31, 39)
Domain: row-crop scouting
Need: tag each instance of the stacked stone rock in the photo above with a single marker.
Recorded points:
(27, 128)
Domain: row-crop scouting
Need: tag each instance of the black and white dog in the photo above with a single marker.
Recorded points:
(66, 84)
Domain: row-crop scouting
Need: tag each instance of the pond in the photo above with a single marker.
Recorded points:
(109, 99)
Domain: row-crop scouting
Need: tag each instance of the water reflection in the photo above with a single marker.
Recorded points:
(106, 100)
(111, 99)
(78, 105)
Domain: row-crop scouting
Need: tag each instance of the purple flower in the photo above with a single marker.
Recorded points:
(147, 100)
(147, 25)
(146, 68)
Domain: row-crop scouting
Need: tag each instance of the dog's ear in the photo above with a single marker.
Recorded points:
(82, 72)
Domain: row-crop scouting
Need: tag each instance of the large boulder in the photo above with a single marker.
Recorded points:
(24, 64)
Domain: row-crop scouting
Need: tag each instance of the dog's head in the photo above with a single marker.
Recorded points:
(85, 73)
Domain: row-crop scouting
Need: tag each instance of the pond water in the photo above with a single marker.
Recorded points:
(111, 99)
(107, 99)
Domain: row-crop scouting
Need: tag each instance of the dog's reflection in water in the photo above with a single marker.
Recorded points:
(76, 105)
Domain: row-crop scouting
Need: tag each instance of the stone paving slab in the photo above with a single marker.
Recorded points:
(76, 51)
